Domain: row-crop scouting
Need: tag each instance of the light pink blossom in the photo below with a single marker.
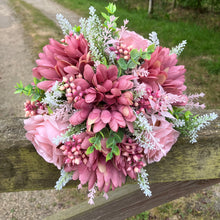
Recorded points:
(166, 136)
(41, 130)
(133, 40)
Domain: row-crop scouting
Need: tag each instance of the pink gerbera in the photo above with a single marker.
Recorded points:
(162, 69)
(59, 60)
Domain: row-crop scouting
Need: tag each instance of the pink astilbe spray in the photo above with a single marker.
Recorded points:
(191, 104)
(156, 100)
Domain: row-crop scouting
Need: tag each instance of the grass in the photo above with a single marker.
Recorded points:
(38, 28)
(201, 58)
(201, 55)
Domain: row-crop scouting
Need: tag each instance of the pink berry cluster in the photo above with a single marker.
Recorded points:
(131, 160)
(31, 108)
(122, 51)
(145, 103)
(73, 153)
(73, 92)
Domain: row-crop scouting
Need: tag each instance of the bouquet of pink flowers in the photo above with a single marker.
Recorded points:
(106, 102)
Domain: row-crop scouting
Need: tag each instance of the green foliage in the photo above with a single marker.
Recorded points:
(111, 9)
(76, 29)
(136, 57)
(31, 90)
(112, 139)
(189, 119)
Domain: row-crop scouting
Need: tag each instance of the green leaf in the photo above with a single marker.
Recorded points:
(89, 150)
(98, 145)
(151, 48)
(104, 132)
(92, 139)
(35, 97)
(110, 142)
(111, 8)
(145, 56)
(36, 81)
(131, 64)
(115, 150)
(135, 55)
(105, 16)
(50, 111)
(187, 115)
(109, 156)
(18, 91)
(123, 64)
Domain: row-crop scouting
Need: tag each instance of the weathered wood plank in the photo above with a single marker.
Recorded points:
(129, 200)
(21, 168)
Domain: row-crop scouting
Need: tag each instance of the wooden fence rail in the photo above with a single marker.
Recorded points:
(182, 171)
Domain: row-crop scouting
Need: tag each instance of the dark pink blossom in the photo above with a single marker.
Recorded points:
(104, 99)
(163, 70)
(93, 168)
(59, 60)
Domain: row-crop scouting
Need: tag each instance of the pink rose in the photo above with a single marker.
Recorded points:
(163, 130)
(41, 130)
(136, 41)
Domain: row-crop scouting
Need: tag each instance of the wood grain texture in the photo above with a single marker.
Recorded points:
(129, 200)
(21, 168)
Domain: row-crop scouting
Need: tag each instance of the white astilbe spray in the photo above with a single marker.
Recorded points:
(91, 195)
(65, 25)
(144, 183)
(179, 48)
(199, 123)
(143, 133)
(53, 97)
(93, 32)
(105, 195)
(64, 112)
(154, 39)
(178, 123)
(65, 177)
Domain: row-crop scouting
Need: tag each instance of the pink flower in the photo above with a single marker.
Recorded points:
(102, 99)
(41, 130)
(91, 168)
(59, 60)
(163, 70)
(133, 40)
(131, 158)
(129, 40)
(167, 136)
